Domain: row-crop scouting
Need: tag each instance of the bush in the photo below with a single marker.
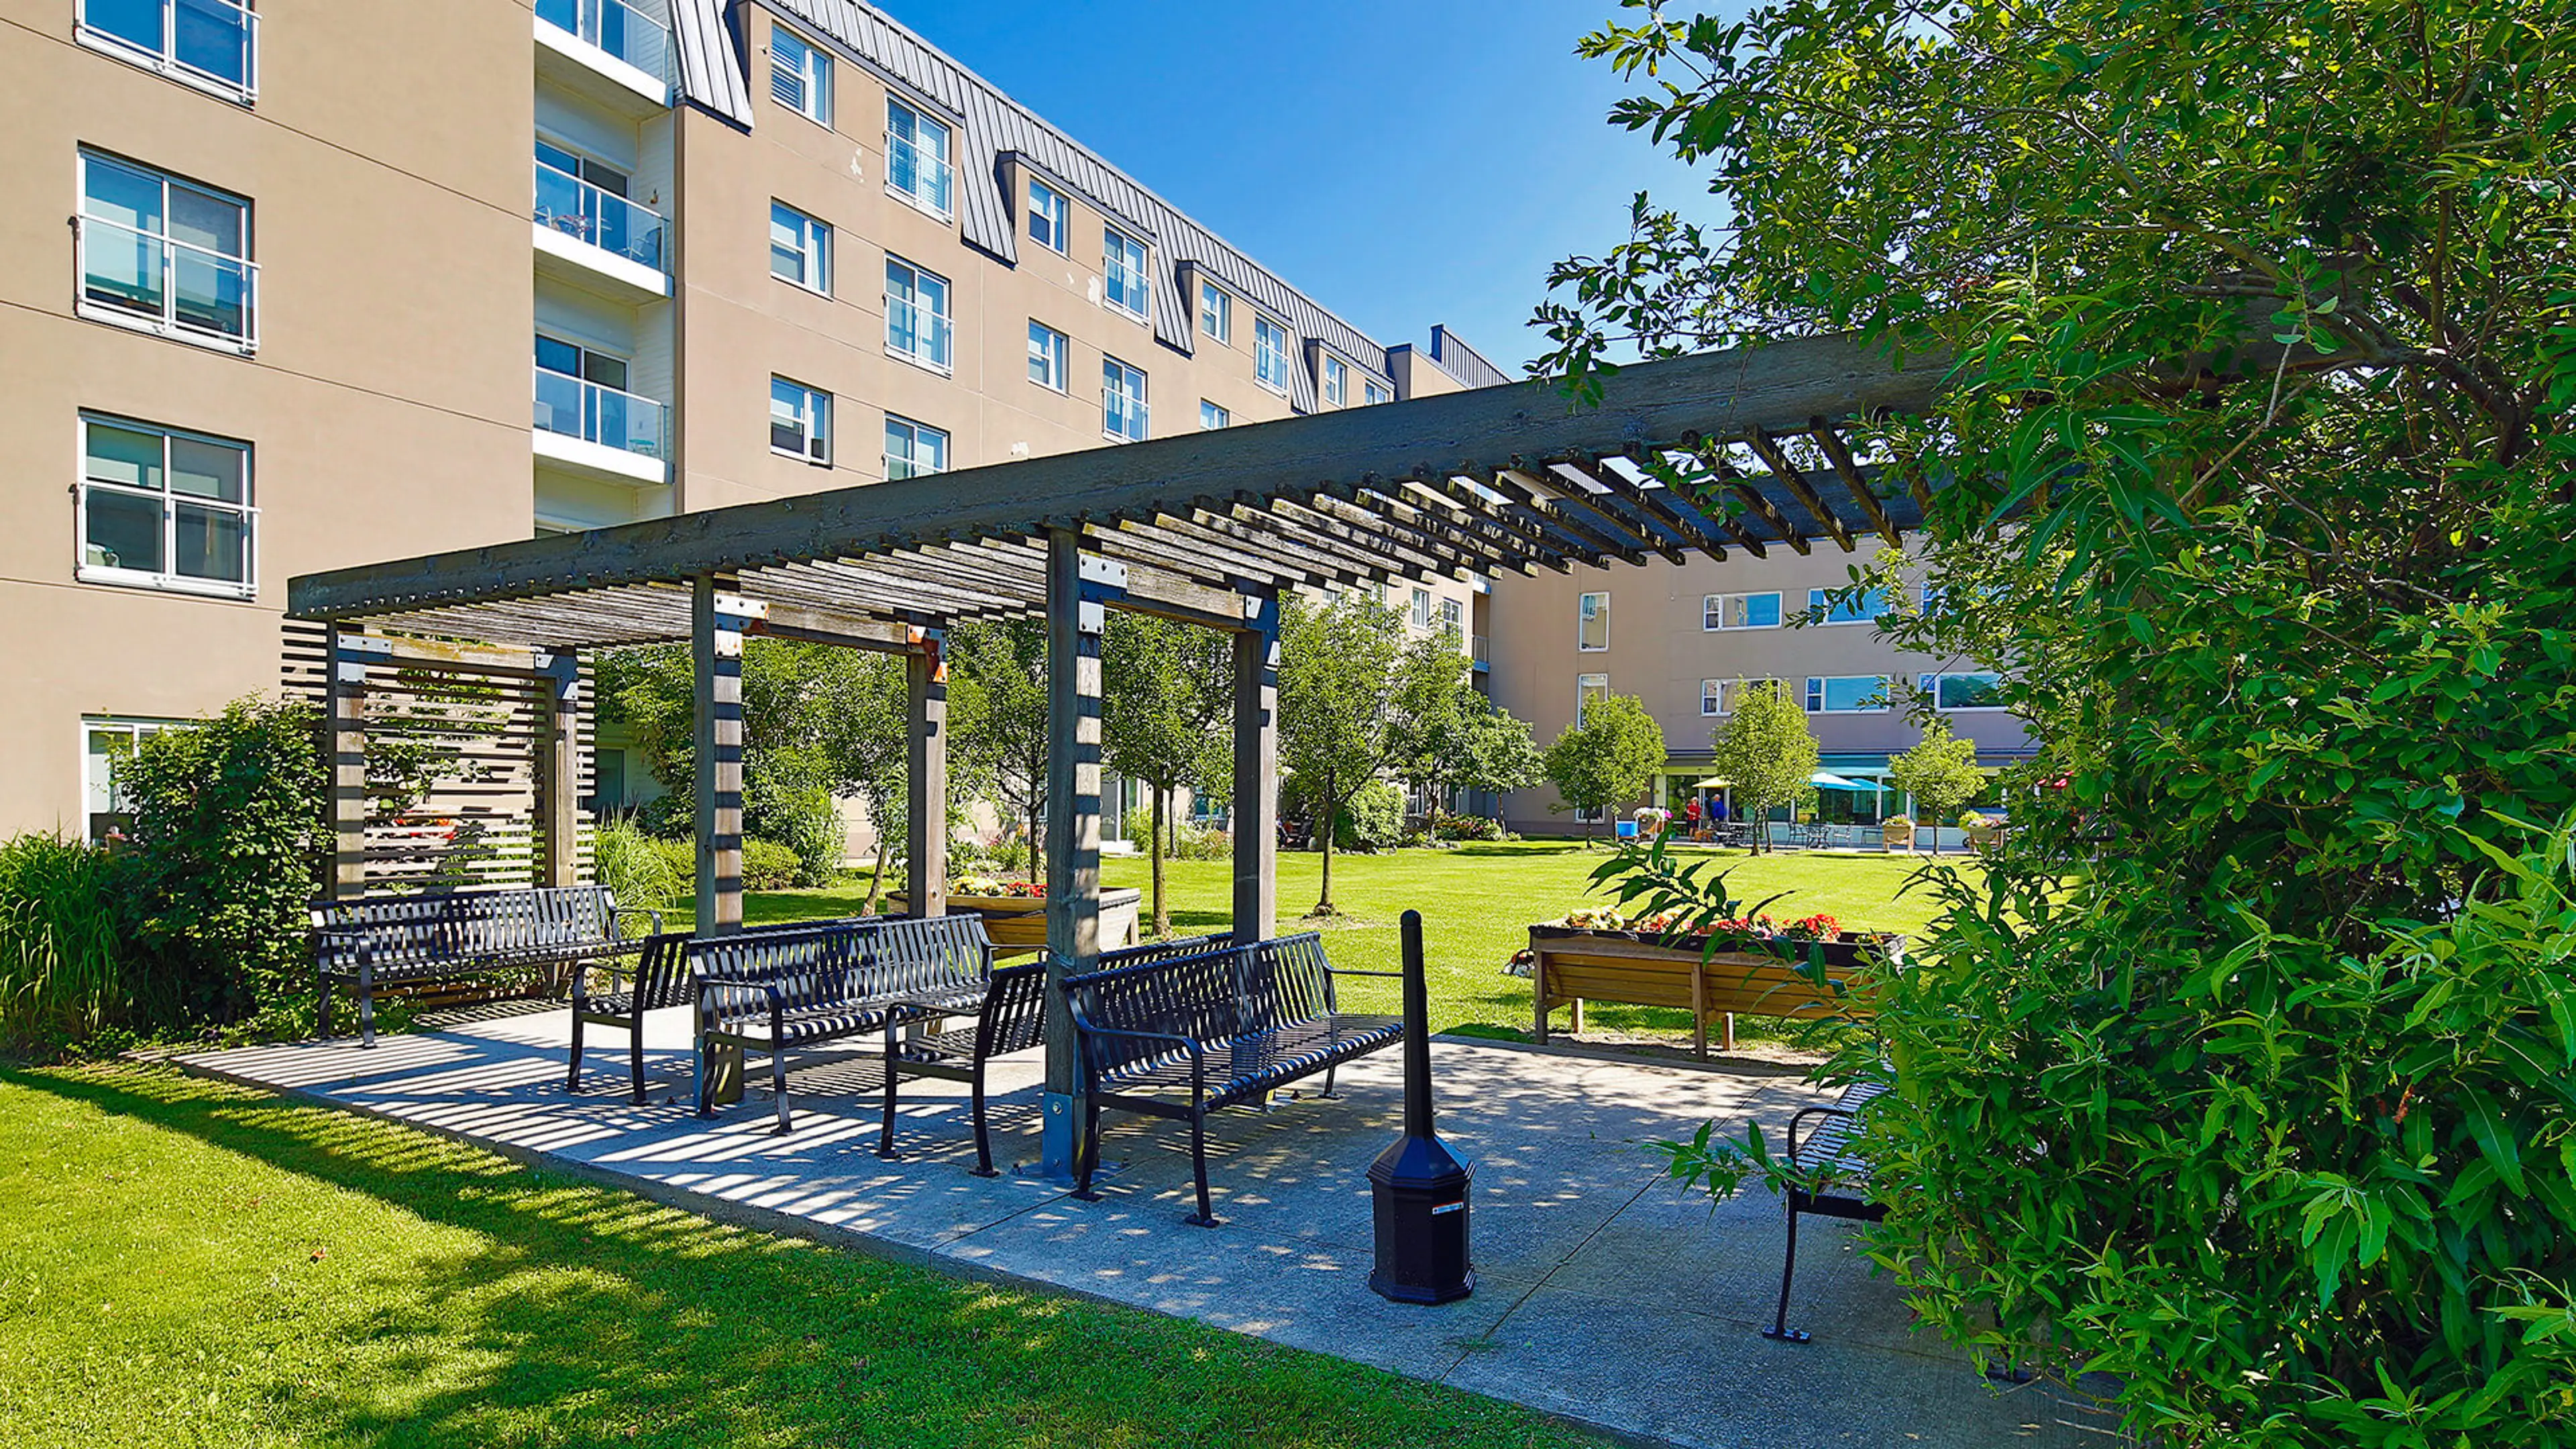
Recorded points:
(1469, 827)
(769, 866)
(641, 870)
(804, 819)
(61, 977)
(1197, 842)
(1373, 820)
(1137, 828)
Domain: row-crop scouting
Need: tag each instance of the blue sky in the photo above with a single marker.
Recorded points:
(1405, 162)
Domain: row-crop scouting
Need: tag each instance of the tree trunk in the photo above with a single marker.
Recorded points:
(1324, 899)
(1034, 862)
(876, 879)
(1154, 847)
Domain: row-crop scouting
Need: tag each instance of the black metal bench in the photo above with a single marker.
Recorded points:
(1218, 1027)
(450, 935)
(660, 979)
(788, 990)
(1840, 1178)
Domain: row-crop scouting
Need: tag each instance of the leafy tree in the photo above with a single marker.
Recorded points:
(1337, 688)
(1005, 663)
(1495, 754)
(1438, 709)
(786, 794)
(2256, 460)
(1608, 757)
(865, 744)
(1940, 772)
(1766, 754)
(1166, 688)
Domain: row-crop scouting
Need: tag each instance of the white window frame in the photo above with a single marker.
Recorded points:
(1271, 343)
(135, 729)
(814, 249)
(1056, 355)
(939, 335)
(914, 434)
(1585, 612)
(812, 80)
(1819, 601)
(1931, 684)
(1113, 376)
(1374, 392)
(813, 417)
(1213, 417)
(1337, 381)
(167, 578)
(1719, 698)
(1586, 687)
(1139, 273)
(1818, 692)
(109, 232)
(1421, 608)
(1216, 312)
(1056, 209)
(164, 60)
(1715, 608)
(939, 167)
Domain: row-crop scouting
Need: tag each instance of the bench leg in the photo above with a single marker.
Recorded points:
(322, 1007)
(366, 1005)
(1780, 1328)
(706, 1089)
(778, 1087)
(885, 1132)
(1086, 1155)
(572, 1075)
(635, 1055)
(1328, 1080)
(1206, 1215)
(983, 1133)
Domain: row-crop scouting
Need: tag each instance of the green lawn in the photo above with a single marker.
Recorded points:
(1477, 903)
(183, 1263)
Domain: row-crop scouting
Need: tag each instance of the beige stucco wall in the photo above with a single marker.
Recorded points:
(386, 164)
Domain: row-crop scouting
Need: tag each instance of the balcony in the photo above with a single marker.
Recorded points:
(167, 287)
(597, 240)
(1476, 650)
(210, 44)
(917, 334)
(615, 53)
(599, 432)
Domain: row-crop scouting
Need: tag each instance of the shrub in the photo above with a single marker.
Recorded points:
(804, 819)
(1137, 828)
(60, 973)
(1373, 820)
(639, 869)
(769, 866)
(1196, 842)
(1469, 827)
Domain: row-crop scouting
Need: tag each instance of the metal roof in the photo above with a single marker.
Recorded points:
(1506, 478)
(710, 67)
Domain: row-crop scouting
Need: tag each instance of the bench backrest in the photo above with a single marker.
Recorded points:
(1171, 950)
(858, 960)
(1014, 1016)
(455, 926)
(1211, 997)
(662, 972)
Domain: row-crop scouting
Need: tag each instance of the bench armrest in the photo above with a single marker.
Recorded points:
(1803, 1113)
(709, 985)
(622, 912)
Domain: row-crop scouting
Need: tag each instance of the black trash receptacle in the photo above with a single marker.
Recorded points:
(1420, 1186)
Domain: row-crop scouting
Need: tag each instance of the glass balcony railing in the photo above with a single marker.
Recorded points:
(917, 172)
(169, 283)
(1122, 416)
(577, 409)
(917, 332)
(632, 33)
(1476, 650)
(612, 223)
(212, 42)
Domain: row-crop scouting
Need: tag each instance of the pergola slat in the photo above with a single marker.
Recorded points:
(1776, 458)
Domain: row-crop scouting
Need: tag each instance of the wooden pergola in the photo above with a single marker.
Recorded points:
(1211, 528)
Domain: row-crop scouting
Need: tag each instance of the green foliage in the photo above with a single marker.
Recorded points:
(1192, 842)
(1007, 661)
(1940, 772)
(1337, 688)
(226, 837)
(2256, 457)
(61, 978)
(1765, 752)
(1167, 691)
(641, 870)
(1372, 819)
(769, 866)
(1609, 757)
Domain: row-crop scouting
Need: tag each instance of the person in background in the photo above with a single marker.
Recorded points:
(1690, 815)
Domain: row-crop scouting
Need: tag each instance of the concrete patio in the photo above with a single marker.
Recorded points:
(1603, 1295)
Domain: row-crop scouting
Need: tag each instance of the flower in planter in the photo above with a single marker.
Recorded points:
(1818, 927)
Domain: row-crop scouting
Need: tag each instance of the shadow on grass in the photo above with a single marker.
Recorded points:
(587, 1315)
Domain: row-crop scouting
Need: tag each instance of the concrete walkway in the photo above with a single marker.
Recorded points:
(1603, 1295)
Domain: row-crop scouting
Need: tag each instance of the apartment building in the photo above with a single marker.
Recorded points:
(344, 282)
(1686, 639)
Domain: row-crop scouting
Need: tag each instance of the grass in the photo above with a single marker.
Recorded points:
(1477, 903)
(184, 1263)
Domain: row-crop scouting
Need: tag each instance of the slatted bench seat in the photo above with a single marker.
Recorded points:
(369, 944)
(1182, 1037)
(1825, 1157)
(790, 990)
(660, 979)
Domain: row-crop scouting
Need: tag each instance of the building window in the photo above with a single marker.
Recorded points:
(1050, 217)
(800, 249)
(1860, 609)
(165, 255)
(1122, 401)
(1588, 688)
(912, 449)
(1046, 355)
(1122, 273)
(800, 421)
(164, 509)
(1270, 354)
(585, 198)
(1421, 608)
(1721, 696)
(1216, 312)
(106, 743)
(581, 393)
(1592, 623)
(800, 75)
(1212, 417)
(1964, 691)
(1739, 611)
(1848, 694)
(211, 44)
(916, 314)
(1376, 392)
(917, 158)
(1337, 382)
(1452, 614)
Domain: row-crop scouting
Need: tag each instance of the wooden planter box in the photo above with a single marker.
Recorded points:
(1571, 966)
(1018, 926)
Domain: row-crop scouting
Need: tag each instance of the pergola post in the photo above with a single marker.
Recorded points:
(1256, 771)
(716, 620)
(558, 772)
(1079, 587)
(344, 735)
(925, 678)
